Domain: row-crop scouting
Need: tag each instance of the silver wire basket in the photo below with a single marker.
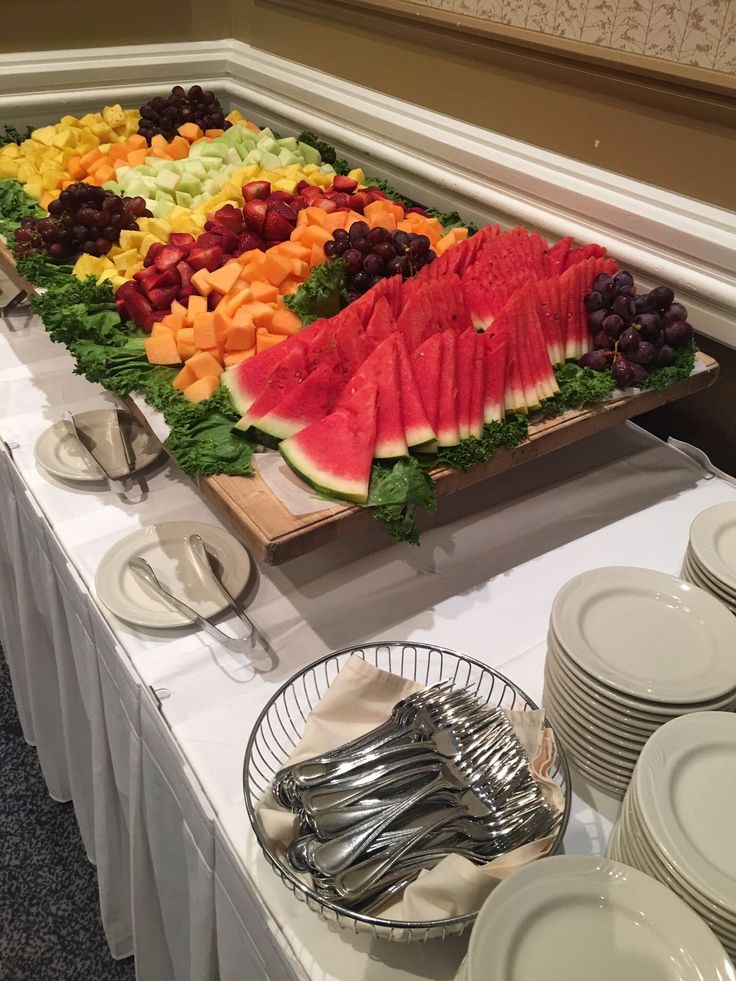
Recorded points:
(279, 729)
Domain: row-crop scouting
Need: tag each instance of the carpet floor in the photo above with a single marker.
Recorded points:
(50, 927)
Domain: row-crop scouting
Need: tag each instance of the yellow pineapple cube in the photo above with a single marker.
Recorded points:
(113, 115)
(130, 239)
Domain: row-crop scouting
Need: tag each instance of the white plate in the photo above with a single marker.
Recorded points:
(59, 452)
(647, 634)
(165, 547)
(578, 917)
(686, 796)
(702, 578)
(585, 750)
(713, 541)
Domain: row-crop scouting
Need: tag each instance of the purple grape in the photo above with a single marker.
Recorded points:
(378, 236)
(430, 257)
(385, 250)
(622, 372)
(623, 278)
(596, 318)
(373, 264)
(340, 235)
(353, 260)
(419, 245)
(664, 357)
(23, 235)
(644, 353)
(597, 360)
(629, 340)
(678, 333)
(676, 311)
(55, 208)
(649, 324)
(594, 301)
(603, 284)
(329, 247)
(360, 281)
(602, 340)
(625, 291)
(640, 373)
(57, 251)
(625, 308)
(402, 240)
(398, 266)
(663, 297)
(358, 230)
(613, 325)
(644, 303)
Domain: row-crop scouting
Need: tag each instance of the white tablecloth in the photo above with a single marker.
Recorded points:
(146, 731)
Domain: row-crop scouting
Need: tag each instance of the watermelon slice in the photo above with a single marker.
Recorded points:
(427, 364)
(557, 256)
(495, 376)
(416, 322)
(335, 454)
(417, 427)
(283, 379)
(382, 368)
(477, 391)
(246, 381)
(466, 347)
(308, 402)
(353, 345)
(447, 420)
(514, 397)
(382, 323)
(550, 319)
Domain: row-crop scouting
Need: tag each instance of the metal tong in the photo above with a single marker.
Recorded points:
(119, 486)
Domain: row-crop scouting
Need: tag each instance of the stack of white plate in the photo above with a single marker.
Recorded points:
(710, 560)
(584, 918)
(677, 820)
(628, 650)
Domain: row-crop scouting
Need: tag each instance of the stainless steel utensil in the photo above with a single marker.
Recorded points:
(142, 569)
(204, 562)
(116, 485)
(125, 442)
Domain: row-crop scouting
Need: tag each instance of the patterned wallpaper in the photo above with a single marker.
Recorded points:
(690, 32)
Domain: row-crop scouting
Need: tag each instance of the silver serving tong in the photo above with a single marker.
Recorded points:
(118, 486)
(204, 562)
(142, 569)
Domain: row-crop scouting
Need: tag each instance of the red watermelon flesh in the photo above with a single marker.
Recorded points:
(558, 255)
(583, 252)
(417, 427)
(477, 392)
(284, 378)
(335, 455)
(495, 377)
(309, 402)
(353, 345)
(382, 323)
(466, 346)
(247, 380)
(447, 420)
(427, 364)
(451, 310)
(546, 381)
(550, 319)
(382, 368)
(528, 371)
(416, 322)
(514, 397)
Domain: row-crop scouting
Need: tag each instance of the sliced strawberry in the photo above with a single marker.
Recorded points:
(276, 228)
(311, 191)
(416, 210)
(231, 217)
(302, 186)
(283, 209)
(249, 241)
(208, 257)
(148, 272)
(170, 255)
(341, 199)
(185, 272)
(167, 277)
(229, 241)
(186, 291)
(358, 201)
(374, 194)
(256, 191)
(162, 299)
(346, 184)
(138, 307)
(182, 239)
(254, 213)
(126, 290)
(279, 196)
(326, 204)
(209, 238)
(152, 253)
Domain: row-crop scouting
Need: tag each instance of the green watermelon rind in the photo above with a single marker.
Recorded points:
(322, 481)
(241, 404)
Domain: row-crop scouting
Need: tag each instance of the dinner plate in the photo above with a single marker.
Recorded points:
(585, 749)
(59, 452)
(165, 547)
(577, 917)
(705, 580)
(686, 798)
(647, 634)
(595, 729)
(713, 541)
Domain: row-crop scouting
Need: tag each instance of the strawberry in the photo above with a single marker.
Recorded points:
(145, 274)
(283, 209)
(417, 211)
(138, 308)
(229, 241)
(169, 256)
(279, 196)
(153, 251)
(249, 241)
(185, 272)
(167, 277)
(340, 199)
(311, 191)
(231, 217)
(346, 184)
(256, 190)
(358, 201)
(276, 228)
(183, 239)
(326, 204)
(302, 186)
(161, 299)
(213, 299)
(254, 213)
(208, 238)
(186, 291)
(126, 290)
(208, 257)
(153, 318)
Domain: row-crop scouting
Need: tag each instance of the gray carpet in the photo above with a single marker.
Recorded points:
(50, 927)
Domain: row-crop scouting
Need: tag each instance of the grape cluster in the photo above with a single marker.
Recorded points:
(633, 332)
(371, 254)
(166, 115)
(83, 218)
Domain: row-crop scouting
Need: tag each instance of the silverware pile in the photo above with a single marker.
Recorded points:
(445, 774)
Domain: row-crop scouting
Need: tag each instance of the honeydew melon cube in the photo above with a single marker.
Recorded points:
(168, 180)
(233, 157)
(215, 150)
(211, 163)
(254, 157)
(120, 172)
(309, 155)
(195, 151)
(183, 200)
(288, 142)
(114, 187)
(327, 169)
(166, 197)
(211, 187)
(189, 184)
(157, 209)
(288, 157)
(135, 187)
(145, 170)
(156, 164)
(269, 161)
(194, 168)
(266, 131)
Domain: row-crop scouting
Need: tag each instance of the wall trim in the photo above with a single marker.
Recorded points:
(489, 177)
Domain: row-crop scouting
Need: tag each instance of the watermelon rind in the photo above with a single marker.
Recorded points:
(322, 480)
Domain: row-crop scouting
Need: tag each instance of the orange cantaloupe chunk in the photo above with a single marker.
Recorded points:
(159, 141)
(285, 322)
(217, 352)
(160, 329)
(104, 174)
(118, 151)
(252, 255)
(203, 388)
(201, 282)
(240, 337)
(178, 149)
(185, 342)
(298, 234)
(313, 216)
(137, 157)
(178, 308)
(204, 330)
(294, 250)
(137, 142)
(235, 357)
(89, 158)
(162, 350)
(252, 271)
(74, 168)
(338, 219)
(231, 304)
(223, 323)
(260, 313)
(184, 379)
(174, 321)
(46, 199)
(242, 317)
(212, 134)
(276, 268)
(302, 220)
(300, 269)
(196, 304)
(190, 132)
(224, 278)
(203, 363)
(317, 256)
(264, 340)
(289, 286)
(315, 235)
(264, 292)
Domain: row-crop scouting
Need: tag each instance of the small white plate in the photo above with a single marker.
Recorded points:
(713, 541)
(59, 452)
(165, 547)
(578, 917)
(686, 795)
(647, 634)
(701, 577)
(583, 749)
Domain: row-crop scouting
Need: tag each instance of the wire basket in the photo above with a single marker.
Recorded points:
(280, 727)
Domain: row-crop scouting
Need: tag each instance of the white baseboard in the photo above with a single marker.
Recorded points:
(661, 236)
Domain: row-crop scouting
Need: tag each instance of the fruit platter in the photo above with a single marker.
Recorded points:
(264, 295)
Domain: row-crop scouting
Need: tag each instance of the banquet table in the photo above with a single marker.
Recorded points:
(145, 731)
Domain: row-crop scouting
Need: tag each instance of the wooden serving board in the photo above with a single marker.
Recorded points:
(275, 535)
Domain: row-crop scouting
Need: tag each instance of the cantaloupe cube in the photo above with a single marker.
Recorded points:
(201, 282)
(315, 235)
(137, 157)
(289, 286)
(242, 317)
(264, 340)
(137, 142)
(285, 322)
(294, 250)
(185, 342)
(184, 379)
(204, 330)
(159, 142)
(264, 292)
(176, 307)
(174, 321)
(75, 169)
(235, 299)
(240, 337)
(217, 352)
(276, 268)
(178, 149)
(253, 270)
(190, 132)
(203, 388)
(317, 256)
(203, 364)
(162, 350)
(223, 323)
(260, 313)
(235, 357)
(338, 219)
(160, 330)
(89, 158)
(314, 216)
(196, 304)
(224, 278)
(298, 234)
(300, 269)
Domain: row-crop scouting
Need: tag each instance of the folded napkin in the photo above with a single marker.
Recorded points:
(361, 698)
